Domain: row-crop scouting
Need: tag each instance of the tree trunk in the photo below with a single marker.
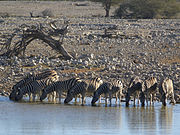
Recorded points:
(107, 7)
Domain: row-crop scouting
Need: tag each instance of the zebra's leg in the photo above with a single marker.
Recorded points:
(75, 99)
(99, 99)
(54, 96)
(137, 95)
(30, 96)
(110, 97)
(84, 99)
(173, 99)
(134, 100)
(34, 97)
(49, 97)
(153, 95)
(83, 96)
(147, 97)
(116, 98)
(151, 99)
(60, 93)
(79, 96)
(119, 96)
(106, 99)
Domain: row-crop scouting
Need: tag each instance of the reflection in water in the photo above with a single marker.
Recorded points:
(165, 119)
(46, 119)
(141, 119)
(52, 119)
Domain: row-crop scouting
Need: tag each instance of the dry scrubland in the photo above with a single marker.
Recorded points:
(141, 47)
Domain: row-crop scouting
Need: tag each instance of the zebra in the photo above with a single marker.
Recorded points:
(93, 84)
(20, 84)
(116, 88)
(34, 87)
(30, 78)
(135, 89)
(166, 89)
(79, 88)
(150, 89)
(109, 89)
(59, 87)
(103, 89)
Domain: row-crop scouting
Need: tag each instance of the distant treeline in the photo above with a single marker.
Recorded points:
(138, 9)
(144, 9)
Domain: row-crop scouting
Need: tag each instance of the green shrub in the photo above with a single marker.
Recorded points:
(148, 9)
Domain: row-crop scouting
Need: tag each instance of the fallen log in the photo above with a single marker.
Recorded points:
(30, 33)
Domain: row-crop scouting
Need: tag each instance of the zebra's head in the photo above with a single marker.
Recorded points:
(69, 97)
(127, 97)
(19, 96)
(13, 93)
(95, 98)
(43, 96)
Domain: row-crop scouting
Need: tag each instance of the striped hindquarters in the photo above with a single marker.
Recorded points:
(33, 87)
(93, 84)
(59, 86)
(116, 86)
(30, 78)
(135, 85)
(79, 88)
(150, 84)
(103, 89)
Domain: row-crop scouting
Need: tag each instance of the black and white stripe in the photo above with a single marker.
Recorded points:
(103, 89)
(116, 88)
(59, 86)
(93, 84)
(83, 88)
(109, 89)
(30, 78)
(135, 90)
(79, 88)
(150, 89)
(34, 88)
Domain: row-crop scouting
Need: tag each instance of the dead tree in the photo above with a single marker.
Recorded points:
(107, 7)
(30, 33)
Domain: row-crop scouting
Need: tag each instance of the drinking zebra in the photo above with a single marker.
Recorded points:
(34, 87)
(30, 78)
(103, 89)
(150, 89)
(20, 84)
(79, 88)
(135, 90)
(116, 88)
(166, 89)
(83, 88)
(108, 89)
(93, 84)
(59, 87)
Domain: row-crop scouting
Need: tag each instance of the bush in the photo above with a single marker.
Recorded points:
(47, 13)
(148, 9)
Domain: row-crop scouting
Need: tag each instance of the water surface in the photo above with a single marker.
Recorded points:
(27, 118)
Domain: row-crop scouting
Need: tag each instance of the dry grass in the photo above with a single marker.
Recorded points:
(94, 69)
(170, 60)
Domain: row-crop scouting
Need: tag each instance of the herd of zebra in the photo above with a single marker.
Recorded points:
(47, 85)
